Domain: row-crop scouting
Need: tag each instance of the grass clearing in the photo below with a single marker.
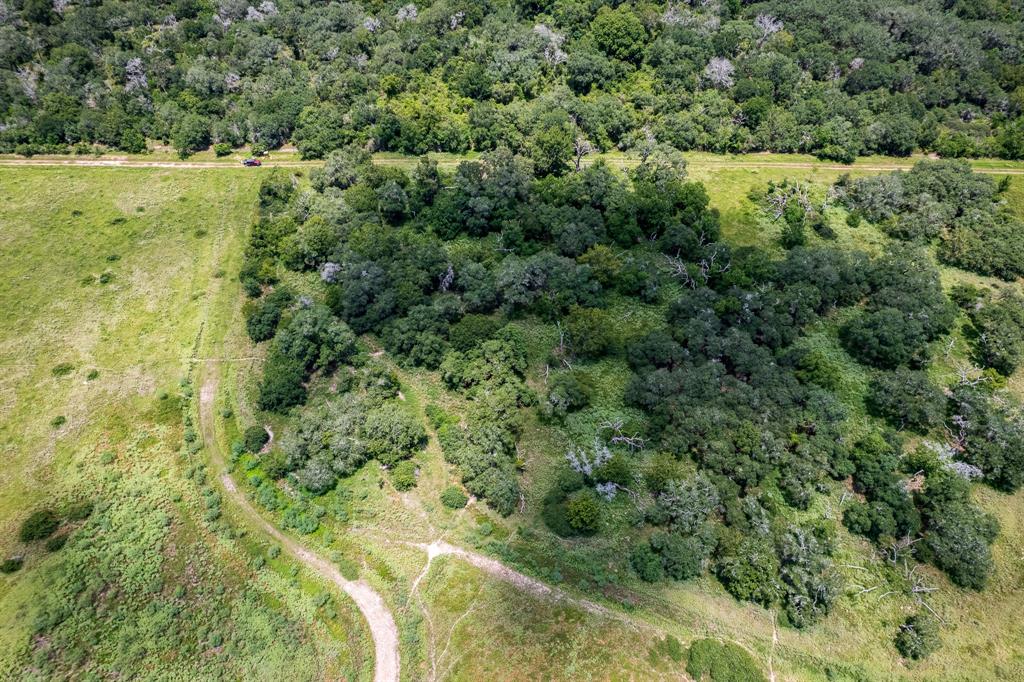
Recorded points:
(102, 305)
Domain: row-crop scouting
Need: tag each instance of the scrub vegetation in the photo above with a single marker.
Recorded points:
(608, 366)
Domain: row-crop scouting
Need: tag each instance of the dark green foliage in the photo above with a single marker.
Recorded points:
(647, 563)
(793, 235)
(583, 512)
(479, 76)
(670, 647)
(11, 565)
(918, 636)
(889, 512)
(63, 369)
(957, 535)
(566, 393)
(453, 497)
(255, 438)
(315, 338)
(662, 469)
(1000, 326)
(721, 662)
(907, 399)
(79, 511)
(749, 568)
(906, 310)
(261, 321)
(887, 337)
(471, 330)
(945, 199)
(57, 542)
(274, 464)
(589, 332)
(283, 383)
(683, 557)
(619, 33)
(40, 524)
(990, 429)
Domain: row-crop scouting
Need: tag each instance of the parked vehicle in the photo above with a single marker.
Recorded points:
(252, 162)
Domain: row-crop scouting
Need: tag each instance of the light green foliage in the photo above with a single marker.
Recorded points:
(403, 476)
(721, 662)
(453, 497)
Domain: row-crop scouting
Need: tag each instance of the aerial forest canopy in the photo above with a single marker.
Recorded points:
(541, 78)
(733, 418)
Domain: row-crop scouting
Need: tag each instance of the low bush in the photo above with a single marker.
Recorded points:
(403, 476)
(918, 636)
(453, 497)
(722, 662)
(55, 543)
(39, 525)
(63, 369)
(255, 438)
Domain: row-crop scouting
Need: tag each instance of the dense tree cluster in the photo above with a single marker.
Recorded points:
(556, 79)
(948, 202)
(331, 441)
(999, 325)
(741, 417)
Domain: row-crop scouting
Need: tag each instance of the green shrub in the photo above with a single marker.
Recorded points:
(453, 497)
(63, 369)
(647, 563)
(670, 647)
(58, 421)
(55, 543)
(918, 637)
(282, 386)
(722, 662)
(471, 330)
(274, 463)
(93, 373)
(11, 565)
(222, 149)
(40, 524)
(403, 476)
(907, 398)
(438, 417)
(583, 512)
(255, 438)
(79, 511)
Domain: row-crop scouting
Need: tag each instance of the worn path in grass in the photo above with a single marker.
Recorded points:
(752, 161)
(373, 608)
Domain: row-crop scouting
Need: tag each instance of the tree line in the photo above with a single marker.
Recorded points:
(550, 78)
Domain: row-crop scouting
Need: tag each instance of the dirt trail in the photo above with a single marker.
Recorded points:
(382, 624)
(694, 164)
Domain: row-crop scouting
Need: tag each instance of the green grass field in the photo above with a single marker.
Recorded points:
(107, 283)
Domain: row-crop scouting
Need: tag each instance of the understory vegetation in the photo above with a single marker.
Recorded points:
(731, 423)
(554, 79)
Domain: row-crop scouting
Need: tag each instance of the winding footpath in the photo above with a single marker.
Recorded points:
(378, 616)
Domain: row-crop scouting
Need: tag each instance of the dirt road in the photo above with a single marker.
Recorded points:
(378, 616)
(750, 161)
